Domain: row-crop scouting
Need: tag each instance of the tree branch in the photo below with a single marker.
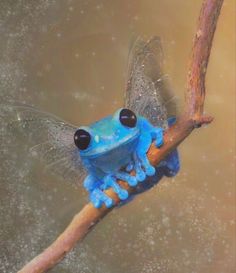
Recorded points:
(191, 118)
(200, 55)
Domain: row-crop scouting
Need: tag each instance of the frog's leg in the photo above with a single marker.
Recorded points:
(148, 130)
(171, 164)
(110, 181)
(149, 134)
(141, 154)
(96, 195)
(157, 135)
(140, 174)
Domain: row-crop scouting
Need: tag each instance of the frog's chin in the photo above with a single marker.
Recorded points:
(125, 142)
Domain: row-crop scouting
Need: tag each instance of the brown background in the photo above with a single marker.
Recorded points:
(70, 58)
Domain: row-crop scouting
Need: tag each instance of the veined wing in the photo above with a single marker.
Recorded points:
(51, 139)
(147, 92)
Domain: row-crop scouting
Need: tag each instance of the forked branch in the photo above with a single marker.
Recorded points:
(191, 118)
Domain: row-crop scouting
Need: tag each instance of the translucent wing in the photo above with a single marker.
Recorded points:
(51, 139)
(148, 93)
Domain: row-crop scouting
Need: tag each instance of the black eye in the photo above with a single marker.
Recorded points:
(82, 139)
(128, 118)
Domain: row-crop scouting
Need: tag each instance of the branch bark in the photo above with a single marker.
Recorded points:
(192, 118)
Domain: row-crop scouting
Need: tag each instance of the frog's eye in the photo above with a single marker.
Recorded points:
(128, 118)
(82, 139)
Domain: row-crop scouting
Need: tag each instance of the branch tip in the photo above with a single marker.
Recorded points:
(203, 120)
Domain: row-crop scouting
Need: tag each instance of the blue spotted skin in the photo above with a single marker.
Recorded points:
(114, 146)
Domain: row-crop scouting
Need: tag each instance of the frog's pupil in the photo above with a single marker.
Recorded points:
(128, 118)
(82, 139)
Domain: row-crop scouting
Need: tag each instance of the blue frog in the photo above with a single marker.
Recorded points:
(117, 141)
(109, 149)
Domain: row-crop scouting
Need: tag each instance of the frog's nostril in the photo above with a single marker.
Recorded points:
(97, 139)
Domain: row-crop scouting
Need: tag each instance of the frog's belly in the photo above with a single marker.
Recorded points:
(114, 159)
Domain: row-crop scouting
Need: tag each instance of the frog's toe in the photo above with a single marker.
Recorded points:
(123, 194)
(110, 181)
(140, 174)
(149, 169)
(95, 201)
(109, 202)
(129, 167)
(131, 180)
(159, 142)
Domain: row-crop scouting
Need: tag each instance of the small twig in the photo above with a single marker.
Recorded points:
(190, 119)
(200, 55)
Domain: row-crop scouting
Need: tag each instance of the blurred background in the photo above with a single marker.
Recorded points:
(69, 58)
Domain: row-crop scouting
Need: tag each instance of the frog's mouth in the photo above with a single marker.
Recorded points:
(114, 145)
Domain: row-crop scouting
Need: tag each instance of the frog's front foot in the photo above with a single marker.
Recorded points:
(110, 181)
(142, 166)
(98, 197)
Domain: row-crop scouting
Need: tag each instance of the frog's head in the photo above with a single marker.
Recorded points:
(108, 134)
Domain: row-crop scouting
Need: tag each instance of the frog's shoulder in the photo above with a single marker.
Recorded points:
(143, 123)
